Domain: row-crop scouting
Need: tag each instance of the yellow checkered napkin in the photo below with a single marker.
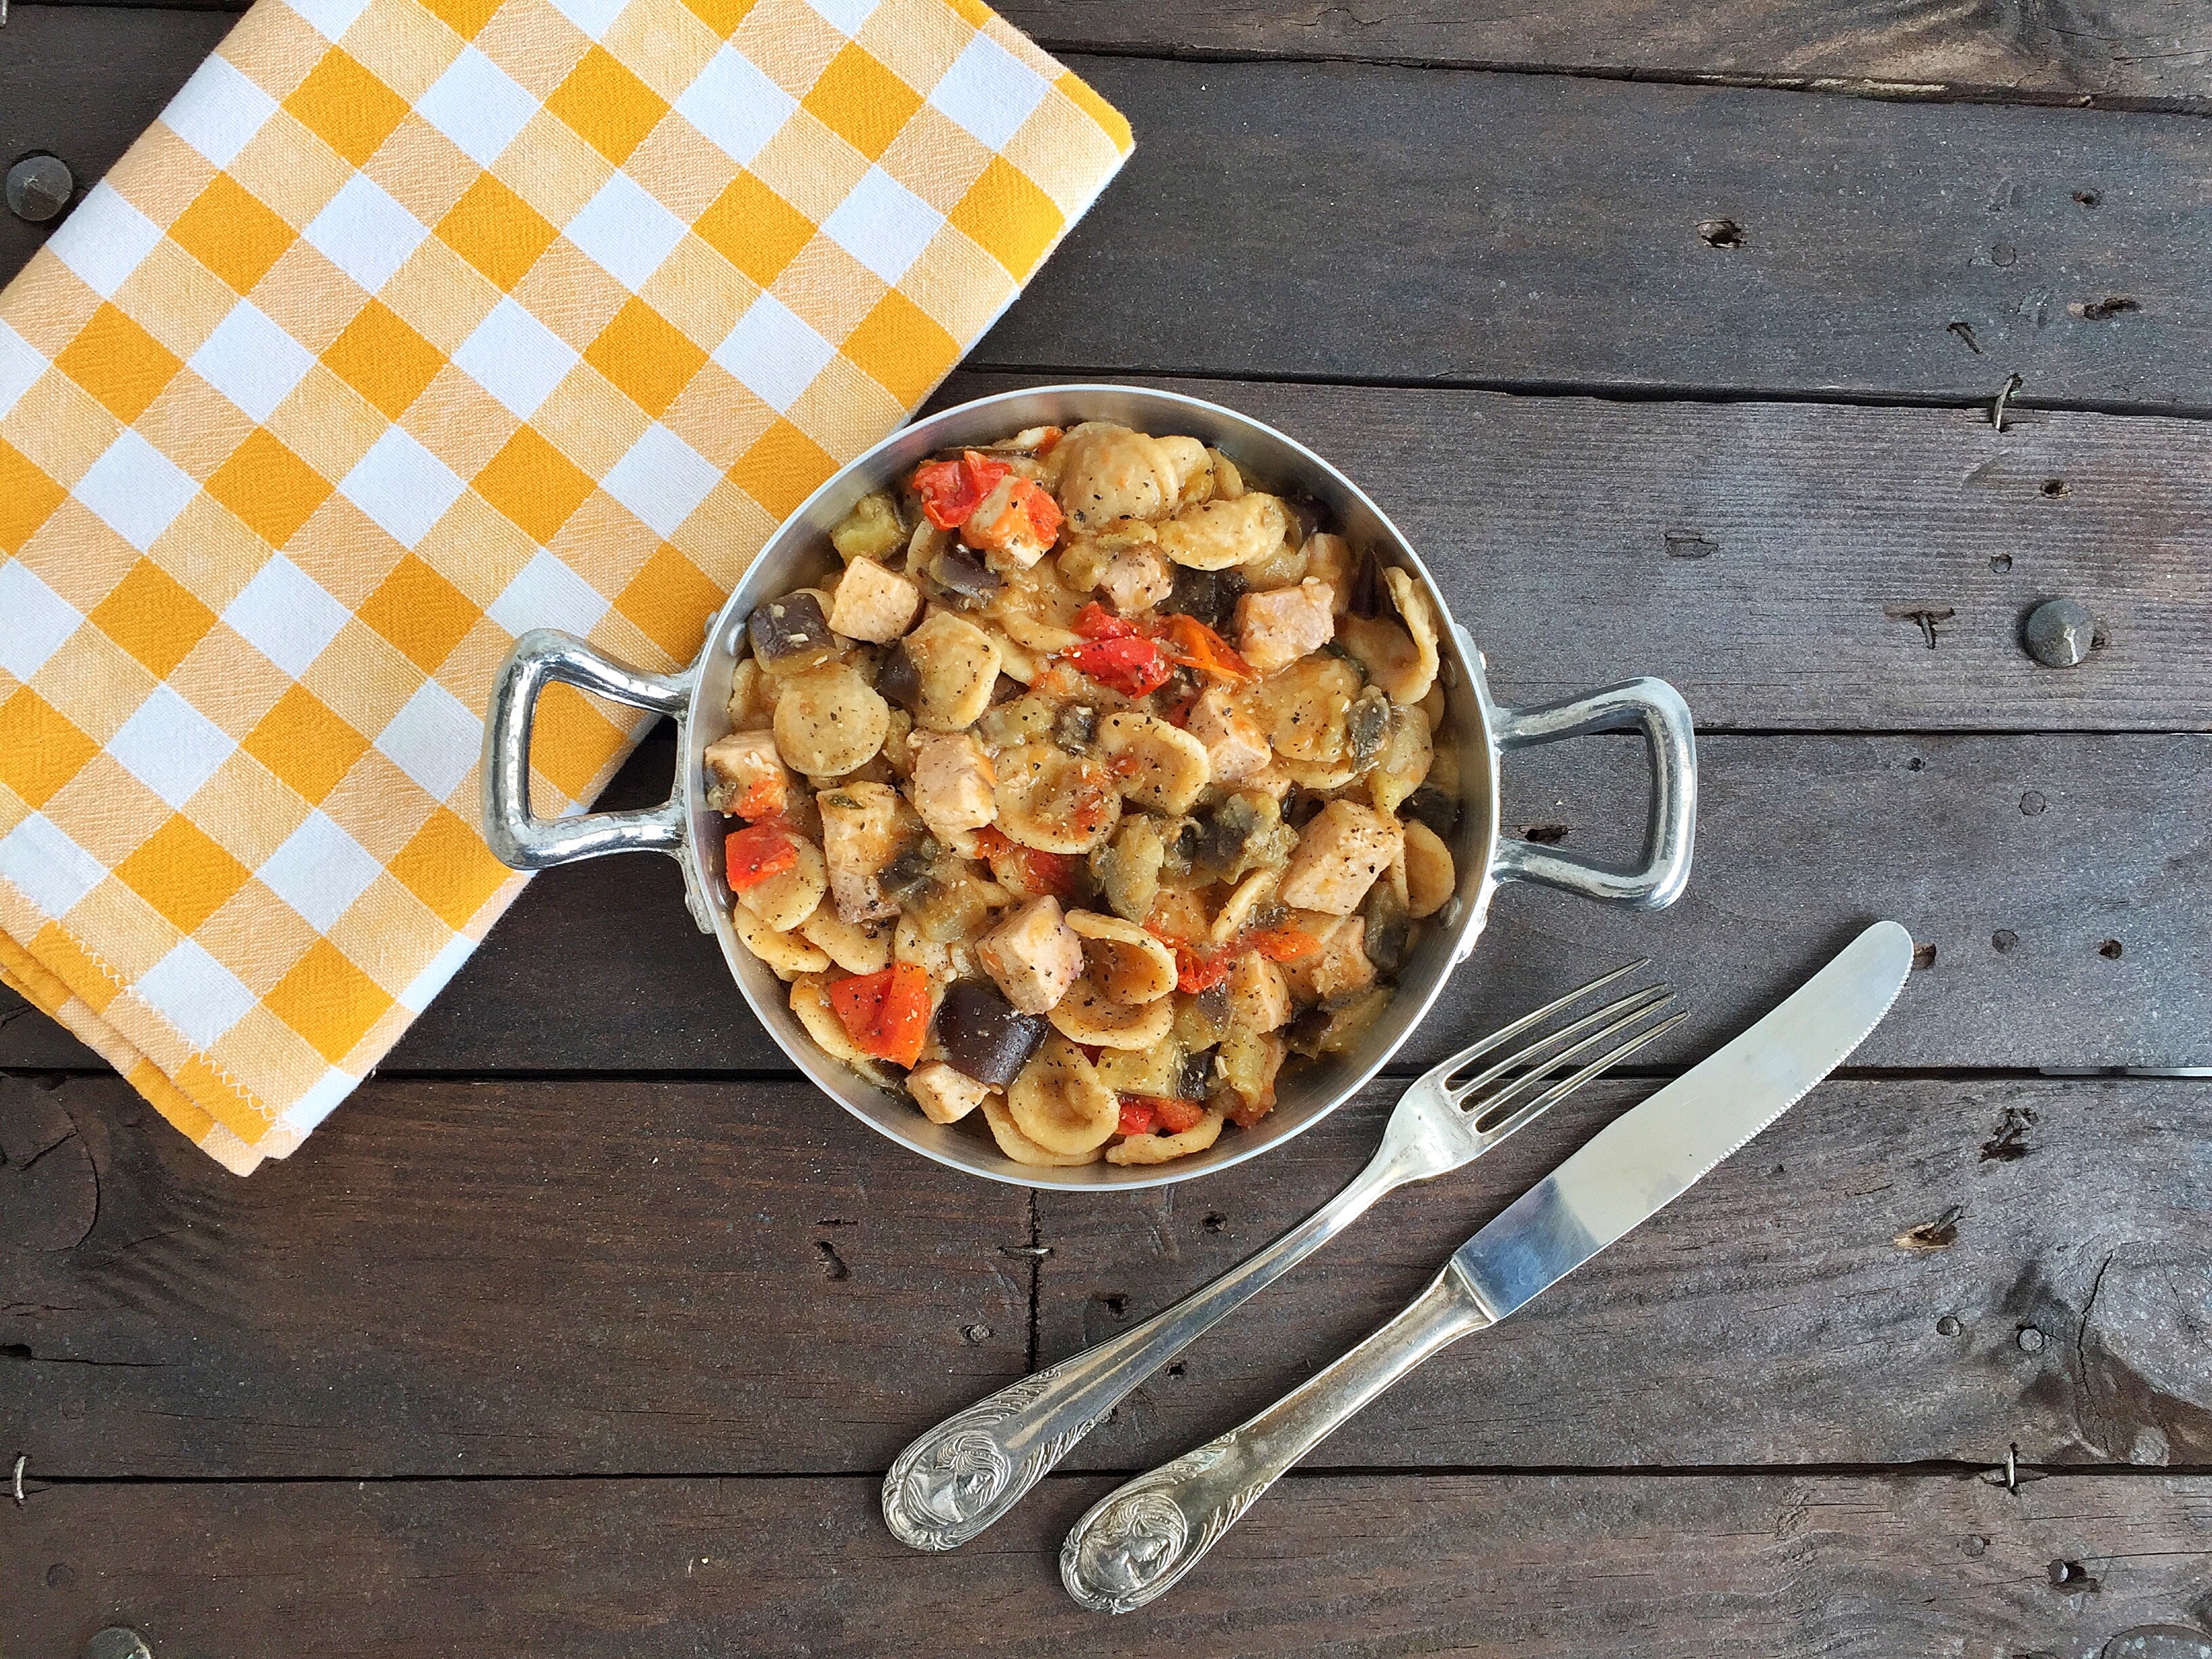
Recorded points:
(413, 325)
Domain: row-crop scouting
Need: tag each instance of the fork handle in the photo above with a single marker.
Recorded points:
(971, 1469)
(1143, 1536)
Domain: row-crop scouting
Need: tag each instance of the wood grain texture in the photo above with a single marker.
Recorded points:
(465, 1279)
(1542, 229)
(2065, 842)
(80, 83)
(2108, 51)
(1782, 1566)
(1768, 559)
(2117, 53)
(1364, 223)
(1784, 1310)
(2089, 854)
(533, 1279)
(1562, 530)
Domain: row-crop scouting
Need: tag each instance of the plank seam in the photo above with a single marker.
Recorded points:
(1608, 392)
(1867, 89)
(1924, 1468)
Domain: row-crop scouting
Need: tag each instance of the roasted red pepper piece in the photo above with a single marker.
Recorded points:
(1045, 516)
(752, 855)
(1096, 622)
(1042, 873)
(1131, 666)
(1190, 643)
(950, 490)
(1282, 943)
(1198, 968)
(1175, 1116)
(885, 1013)
(1163, 1114)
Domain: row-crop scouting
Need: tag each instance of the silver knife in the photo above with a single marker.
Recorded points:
(1140, 1539)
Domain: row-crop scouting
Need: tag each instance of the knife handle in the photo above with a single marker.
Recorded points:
(975, 1466)
(1140, 1538)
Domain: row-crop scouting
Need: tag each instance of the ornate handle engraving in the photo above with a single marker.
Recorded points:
(1135, 1542)
(1138, 1539)
(971, 1469)
(957, 1479)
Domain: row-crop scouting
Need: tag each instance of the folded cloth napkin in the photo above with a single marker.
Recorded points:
(413, 325)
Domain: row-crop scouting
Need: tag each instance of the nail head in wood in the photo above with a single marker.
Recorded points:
(39, 187)
(117, 1641)
(2059, 632)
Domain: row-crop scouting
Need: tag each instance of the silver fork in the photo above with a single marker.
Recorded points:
(971, 1469)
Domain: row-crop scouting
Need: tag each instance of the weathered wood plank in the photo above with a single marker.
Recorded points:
(580, 1278)
(2130, 53)
(1766, 558)
(469, 1279)
(1375, 223)
(2061, 844)
(1760, 1319)
(82, 83)
(1568, 581)
(1787, 1566)
(1567, 246)
(2124, 51)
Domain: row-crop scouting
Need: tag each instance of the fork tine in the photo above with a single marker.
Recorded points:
(1506, 1033)
(1523, 1114)
(1627, 1008)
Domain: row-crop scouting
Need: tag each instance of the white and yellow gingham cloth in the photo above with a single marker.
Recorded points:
(413, 325)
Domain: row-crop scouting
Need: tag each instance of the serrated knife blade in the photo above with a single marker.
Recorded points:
(1652, 1154)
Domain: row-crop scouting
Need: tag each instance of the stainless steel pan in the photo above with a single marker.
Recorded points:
(1481, 730)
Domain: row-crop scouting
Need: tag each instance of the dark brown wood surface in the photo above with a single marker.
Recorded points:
(2121, 54)
(2065, 842)
(2061, 881)
(1543, 230)
(495, 1278)
(2116, 53)
(586, 1330)
(1781, 1566)
(1554, 230)
(526, 1278)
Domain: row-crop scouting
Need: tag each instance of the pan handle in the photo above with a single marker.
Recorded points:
(518, 838)
(1671, 741)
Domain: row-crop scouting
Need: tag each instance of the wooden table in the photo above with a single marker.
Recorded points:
(1670, 334)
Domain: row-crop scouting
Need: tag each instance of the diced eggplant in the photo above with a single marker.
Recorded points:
(962, 579)
(952, 908)
(1207, 596)
(898, 680)
(1220, 835)
(1074, 728)
(983, 1035)
(1431, 806)
(1370, 595)
(1197, 1075)
(790, 632)
(1390, 929)
(1367, 725)
(908, 879)
(1308, 517)
(1128, 867)
(1201, 1021)
(1338, 1029)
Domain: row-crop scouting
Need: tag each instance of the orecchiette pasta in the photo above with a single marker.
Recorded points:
(1076, 794)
